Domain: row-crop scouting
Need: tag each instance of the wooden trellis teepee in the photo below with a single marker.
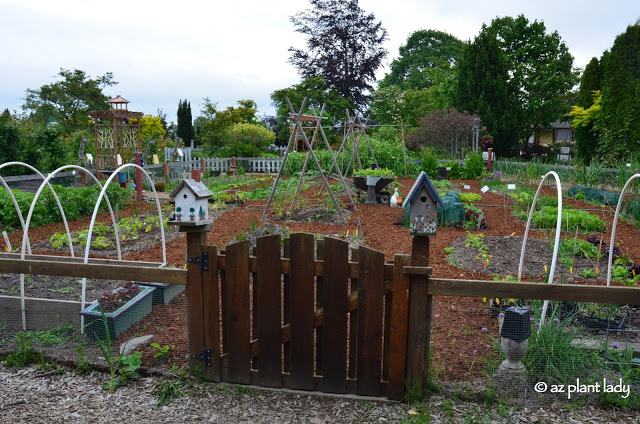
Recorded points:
(355, 132)
(299, 130)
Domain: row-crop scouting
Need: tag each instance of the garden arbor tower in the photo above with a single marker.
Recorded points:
(116, 138)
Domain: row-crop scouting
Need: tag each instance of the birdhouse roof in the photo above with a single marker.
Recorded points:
(196, 187)
(422, 181)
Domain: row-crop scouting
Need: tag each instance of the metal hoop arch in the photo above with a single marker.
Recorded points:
(615, 224)
(557, 239)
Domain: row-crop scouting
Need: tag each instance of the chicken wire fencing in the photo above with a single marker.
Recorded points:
(146, 322)
(582, 353)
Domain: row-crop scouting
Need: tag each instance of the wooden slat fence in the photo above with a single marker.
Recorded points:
(297, 335)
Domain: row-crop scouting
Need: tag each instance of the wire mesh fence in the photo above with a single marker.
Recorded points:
(50, 322)
(587, 353)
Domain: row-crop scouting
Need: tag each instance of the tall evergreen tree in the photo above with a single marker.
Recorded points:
(483, 89)
(344, 46)
(620, 114)
(587, 137)
(185, 122)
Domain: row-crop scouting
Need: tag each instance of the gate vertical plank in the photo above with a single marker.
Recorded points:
(237, 302)
(335, 307)
(195, 241)
(269, 333)
(318, 305)
(399, 325)
(302, 314)
(353, 322)
(211, 302)
(369, 343)
(286, 313)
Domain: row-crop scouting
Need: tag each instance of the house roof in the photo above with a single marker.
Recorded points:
(422, 181)
(196, 187)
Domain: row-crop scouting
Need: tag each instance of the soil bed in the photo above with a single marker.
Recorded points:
(456, 321)
(505, 254)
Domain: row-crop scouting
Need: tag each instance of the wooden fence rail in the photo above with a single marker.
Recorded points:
(310, 318)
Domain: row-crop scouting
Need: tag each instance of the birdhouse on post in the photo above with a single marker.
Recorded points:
(191, 204)
(422, 206)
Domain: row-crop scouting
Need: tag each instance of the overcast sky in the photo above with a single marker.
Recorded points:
(164, 51)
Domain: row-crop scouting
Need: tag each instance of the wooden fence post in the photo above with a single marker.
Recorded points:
(165, 167)
(203, 168)
(419, 333)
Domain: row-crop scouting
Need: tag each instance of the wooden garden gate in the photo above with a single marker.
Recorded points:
(309, 320)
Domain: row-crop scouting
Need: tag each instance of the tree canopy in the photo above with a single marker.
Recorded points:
(344, 46)
(69, 100)
(214, 123)
(540, 70)
(423, 59)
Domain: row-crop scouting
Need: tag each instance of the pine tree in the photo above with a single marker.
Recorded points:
(587, 137)
(483, 89)
(620, 116)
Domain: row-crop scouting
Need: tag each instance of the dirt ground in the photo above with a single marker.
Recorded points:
(456, 321)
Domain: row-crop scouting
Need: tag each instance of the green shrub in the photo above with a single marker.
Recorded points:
(76, 202)
(246, 140)
(473, 167)
(429, 162)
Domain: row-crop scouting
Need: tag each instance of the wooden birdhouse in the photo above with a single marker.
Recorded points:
(191, 208)
(422, 206)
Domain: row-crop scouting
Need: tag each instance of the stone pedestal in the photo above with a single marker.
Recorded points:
(515, 352)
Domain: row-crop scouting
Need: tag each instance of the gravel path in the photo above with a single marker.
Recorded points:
(32, 396)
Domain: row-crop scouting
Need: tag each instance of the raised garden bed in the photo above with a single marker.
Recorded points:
(164, 292)
(119, 320)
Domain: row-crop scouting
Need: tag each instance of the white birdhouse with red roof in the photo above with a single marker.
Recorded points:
(191, 203)
(422, 206)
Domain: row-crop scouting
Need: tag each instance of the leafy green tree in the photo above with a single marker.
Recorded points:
(214, 123)
(51, 147)
(317, 93)
(344, 45)
(185, 122)
(5, 117)
(426, 55)
(540, 70)
(483, 89)
(69, 100)
(584, 114)
(10, 146)
(620, 115)
(391, 103)
(246, 140)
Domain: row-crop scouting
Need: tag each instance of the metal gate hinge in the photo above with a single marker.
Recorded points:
(202, 261)
(204, 357)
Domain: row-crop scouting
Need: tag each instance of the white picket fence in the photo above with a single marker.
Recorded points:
(253, 165)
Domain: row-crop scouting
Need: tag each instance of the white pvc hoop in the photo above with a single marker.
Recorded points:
(613, 228)
(557, 239)
(93, 220)
(25, 227)
(26, 231)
